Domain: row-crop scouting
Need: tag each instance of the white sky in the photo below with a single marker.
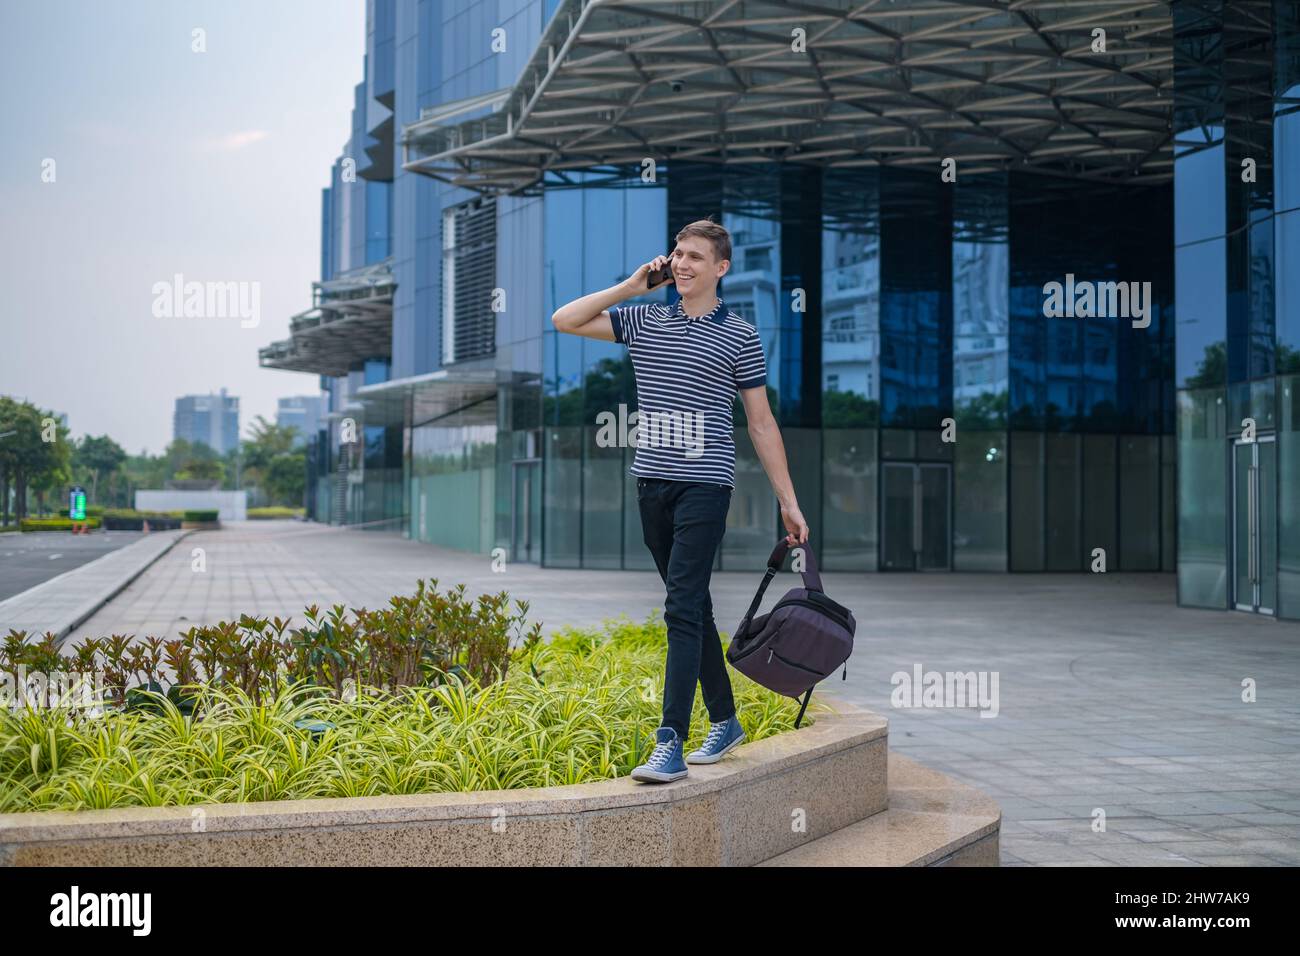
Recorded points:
(167, 161)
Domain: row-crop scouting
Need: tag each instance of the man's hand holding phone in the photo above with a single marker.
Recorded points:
(653, 275)
(589, 316)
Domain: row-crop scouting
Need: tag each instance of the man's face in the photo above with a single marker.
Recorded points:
(696, 266)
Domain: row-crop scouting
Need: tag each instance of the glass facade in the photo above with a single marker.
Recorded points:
(454, 461)
(1096, 387)
(590, 236)
(933, 416)
(1286, 274)
(1010, 372)
(980, 372)
(1236, 170)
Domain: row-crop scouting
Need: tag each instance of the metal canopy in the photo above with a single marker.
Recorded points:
(993, 84)
(449, 396)
(351, 321)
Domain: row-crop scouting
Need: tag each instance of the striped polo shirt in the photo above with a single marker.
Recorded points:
(687, 372)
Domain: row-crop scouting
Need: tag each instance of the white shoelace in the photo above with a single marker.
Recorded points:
(715, 734)
(661, 753)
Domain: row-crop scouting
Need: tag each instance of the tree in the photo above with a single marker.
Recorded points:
(187, 460)
(266, 441)
(97, 458)
(1212, 369)
(270, 452)
(286, 479)
(142, 471)
(200, 468)
(8, 452)
(985, 412)
(35, 452)
(846, 409)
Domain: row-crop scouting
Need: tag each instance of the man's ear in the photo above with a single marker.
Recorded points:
(724, 267)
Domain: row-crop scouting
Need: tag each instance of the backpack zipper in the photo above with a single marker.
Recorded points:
(833, 615)
(772, 650)
(790, 663)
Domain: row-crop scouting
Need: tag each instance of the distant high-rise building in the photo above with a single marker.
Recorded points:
(211, 420)
(303, 412)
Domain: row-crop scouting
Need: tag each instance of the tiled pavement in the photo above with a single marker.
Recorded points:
(1110, 696)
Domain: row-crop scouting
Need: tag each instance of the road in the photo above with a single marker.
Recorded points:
(27, 560)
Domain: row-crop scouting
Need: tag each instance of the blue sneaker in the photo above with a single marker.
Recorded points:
(722, 737)
(665, 763)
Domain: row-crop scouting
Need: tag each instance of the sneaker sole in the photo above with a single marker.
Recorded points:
(655, 776)
(691, 758)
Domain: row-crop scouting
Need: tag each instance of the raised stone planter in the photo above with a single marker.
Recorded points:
(766, 799)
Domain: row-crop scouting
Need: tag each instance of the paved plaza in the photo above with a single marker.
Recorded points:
(1111, 698)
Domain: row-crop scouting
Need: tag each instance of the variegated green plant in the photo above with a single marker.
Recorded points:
(582, 708)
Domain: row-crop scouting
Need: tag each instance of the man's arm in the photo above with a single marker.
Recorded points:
(771, 452)
(589, 316)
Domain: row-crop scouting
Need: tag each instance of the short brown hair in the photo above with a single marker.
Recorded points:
(710, 230)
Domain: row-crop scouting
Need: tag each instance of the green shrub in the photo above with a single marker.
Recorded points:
(132, 513)
(55, 524)
(414, 641)
(276, 511)
(92, 511)
(200, 515)
(584, 709)
(128, 519)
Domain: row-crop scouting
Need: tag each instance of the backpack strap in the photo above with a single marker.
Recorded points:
(758, 597)
(806, 697)
(812, 579)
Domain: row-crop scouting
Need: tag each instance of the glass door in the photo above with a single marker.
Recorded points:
(934, 537)
(526, 511)
(917, 519)
(1254, 524)
(897, 521)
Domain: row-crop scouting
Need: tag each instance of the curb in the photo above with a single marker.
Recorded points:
(83, 613)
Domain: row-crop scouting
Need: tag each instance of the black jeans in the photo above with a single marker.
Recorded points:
(683, 522)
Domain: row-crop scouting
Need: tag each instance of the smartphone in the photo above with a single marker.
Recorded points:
(658, 276)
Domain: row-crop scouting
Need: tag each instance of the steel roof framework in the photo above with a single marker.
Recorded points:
(993, 84)
(351, 321)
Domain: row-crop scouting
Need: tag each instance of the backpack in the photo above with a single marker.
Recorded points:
(800, 641)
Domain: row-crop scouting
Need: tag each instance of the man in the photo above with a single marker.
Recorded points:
(690, 359)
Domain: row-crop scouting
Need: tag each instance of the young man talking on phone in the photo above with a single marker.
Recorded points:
(690, 359)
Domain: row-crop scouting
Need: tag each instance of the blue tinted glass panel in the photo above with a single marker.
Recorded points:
(1286, 154)
(1201, 294)
(850, 373)
(378, 206)
(604, 261)
(1287, 235)
(980, 321)
(1199, 199)
(645, 224)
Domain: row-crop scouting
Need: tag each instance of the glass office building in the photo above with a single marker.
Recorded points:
(211, 420)
(1025, 304)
